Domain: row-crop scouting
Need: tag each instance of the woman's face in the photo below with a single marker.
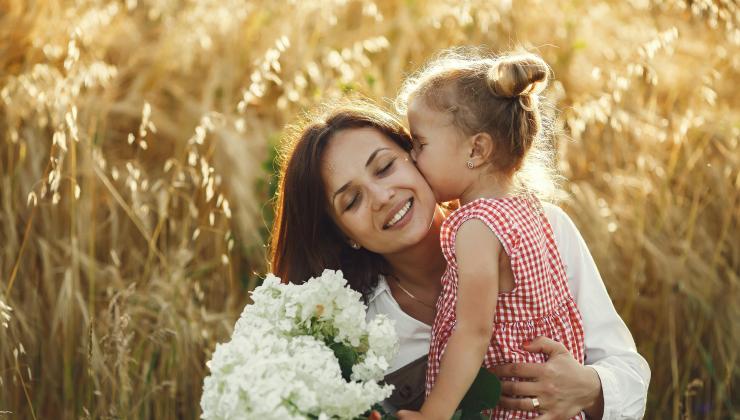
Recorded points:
(375, 194)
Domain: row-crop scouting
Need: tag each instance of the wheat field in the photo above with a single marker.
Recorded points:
(137, 165)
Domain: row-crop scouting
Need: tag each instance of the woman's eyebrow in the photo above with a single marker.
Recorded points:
(373, 154)
(370, 159)
(341, 189)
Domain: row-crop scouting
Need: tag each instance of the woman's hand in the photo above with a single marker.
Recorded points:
(562, 386)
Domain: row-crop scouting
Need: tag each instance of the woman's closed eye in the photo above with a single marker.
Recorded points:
(356, 198)
(385, 168)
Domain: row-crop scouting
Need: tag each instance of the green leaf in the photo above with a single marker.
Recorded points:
(347, 357)
(483, 394)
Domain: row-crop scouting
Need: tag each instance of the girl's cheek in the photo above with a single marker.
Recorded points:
(421, 163)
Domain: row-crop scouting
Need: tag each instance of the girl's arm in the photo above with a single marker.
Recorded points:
(475, 311)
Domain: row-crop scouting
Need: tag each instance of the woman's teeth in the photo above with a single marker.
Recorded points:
(398, 216)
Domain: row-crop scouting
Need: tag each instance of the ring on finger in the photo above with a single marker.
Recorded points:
(535, 403)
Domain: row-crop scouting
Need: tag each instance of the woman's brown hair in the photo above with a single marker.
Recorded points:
(305, 240)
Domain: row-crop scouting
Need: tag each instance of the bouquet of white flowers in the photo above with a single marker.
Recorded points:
(301, 351)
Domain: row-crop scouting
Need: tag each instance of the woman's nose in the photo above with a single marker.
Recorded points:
(381, 195)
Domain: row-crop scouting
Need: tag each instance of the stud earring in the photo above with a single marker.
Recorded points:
(354, 245)
(470, 164)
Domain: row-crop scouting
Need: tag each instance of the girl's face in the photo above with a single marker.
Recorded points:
(375, 193)
(439, 150)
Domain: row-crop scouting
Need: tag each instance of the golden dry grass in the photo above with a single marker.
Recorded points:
(136, 158)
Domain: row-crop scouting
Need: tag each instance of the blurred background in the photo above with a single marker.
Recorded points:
(137, 167)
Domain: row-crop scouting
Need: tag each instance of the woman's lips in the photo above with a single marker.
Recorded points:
(406, 208)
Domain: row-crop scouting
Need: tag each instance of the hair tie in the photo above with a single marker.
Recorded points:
(523, 105)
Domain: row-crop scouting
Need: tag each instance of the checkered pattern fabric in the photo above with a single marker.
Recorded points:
(540, 303)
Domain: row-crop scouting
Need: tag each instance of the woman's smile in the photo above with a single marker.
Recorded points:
(401, 217)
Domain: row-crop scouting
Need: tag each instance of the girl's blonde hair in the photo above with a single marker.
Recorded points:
(499, 96)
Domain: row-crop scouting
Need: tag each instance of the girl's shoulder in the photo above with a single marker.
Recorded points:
(495, 213)
(490, 210)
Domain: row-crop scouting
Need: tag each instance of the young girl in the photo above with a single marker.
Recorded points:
(477, 130)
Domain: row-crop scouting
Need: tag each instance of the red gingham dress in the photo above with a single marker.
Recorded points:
(540, 303)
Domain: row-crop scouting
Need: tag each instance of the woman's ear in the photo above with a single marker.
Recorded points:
(481, 148)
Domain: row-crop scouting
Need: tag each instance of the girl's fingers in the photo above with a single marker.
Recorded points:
(404, 414)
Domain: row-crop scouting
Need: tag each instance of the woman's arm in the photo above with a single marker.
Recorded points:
(610, 349)
(623, 374)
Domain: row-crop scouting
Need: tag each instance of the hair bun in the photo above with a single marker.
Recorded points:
(517, 75)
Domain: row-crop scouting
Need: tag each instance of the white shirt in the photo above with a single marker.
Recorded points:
(610, 349)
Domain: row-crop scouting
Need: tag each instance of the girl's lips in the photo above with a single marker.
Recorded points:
(405, 219)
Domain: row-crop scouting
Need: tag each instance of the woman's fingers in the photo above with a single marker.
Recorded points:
(518, 370)
(545, 345)
(524, 404)
(520, 388)
(555, 383)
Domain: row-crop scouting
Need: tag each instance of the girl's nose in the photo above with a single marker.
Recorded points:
(381, 195)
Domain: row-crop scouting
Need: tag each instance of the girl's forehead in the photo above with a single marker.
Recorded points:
(420, 112)
(415, 106)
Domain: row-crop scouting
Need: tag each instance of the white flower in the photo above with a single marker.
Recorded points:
(278, 364)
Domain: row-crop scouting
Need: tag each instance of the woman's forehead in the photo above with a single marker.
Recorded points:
(350, 149)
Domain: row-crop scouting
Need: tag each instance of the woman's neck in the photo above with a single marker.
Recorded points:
(422, 264)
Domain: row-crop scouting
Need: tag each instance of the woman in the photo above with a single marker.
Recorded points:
(350, 198)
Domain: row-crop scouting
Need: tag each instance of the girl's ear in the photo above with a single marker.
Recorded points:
(481, 148)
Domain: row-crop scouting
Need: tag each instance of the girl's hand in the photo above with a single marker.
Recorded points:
(410, 415)
(374, 415)
(562, 386)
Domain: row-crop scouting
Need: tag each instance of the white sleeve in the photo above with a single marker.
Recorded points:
(610, 349)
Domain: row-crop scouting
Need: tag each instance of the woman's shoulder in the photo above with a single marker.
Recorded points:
(554, 213)
(562, 225)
